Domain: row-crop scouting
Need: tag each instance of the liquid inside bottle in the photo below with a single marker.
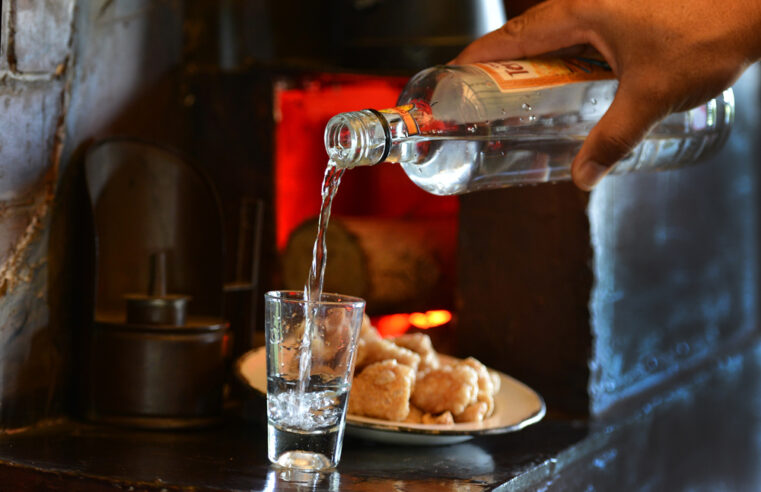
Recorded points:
(474, 127)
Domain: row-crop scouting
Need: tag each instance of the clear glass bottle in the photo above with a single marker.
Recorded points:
(459, 129)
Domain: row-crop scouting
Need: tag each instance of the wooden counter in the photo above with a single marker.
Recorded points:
(700, 430)
(84, 457)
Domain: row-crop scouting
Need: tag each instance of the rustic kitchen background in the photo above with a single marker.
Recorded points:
(593, 299)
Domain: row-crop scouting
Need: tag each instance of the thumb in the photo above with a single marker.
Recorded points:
(627, 121)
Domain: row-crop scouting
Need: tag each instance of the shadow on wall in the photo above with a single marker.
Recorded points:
(220, 121)
(72, 243)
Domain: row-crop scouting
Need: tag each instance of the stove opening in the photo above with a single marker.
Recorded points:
(388, 240)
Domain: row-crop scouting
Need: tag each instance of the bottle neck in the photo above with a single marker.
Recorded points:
(357, 138)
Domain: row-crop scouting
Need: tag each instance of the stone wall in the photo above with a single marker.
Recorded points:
(69, 71)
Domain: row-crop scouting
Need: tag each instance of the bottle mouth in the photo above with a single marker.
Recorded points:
(342, 140)
(357, 138)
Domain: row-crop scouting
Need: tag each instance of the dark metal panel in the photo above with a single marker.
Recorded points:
(701, 434)
(675, 261)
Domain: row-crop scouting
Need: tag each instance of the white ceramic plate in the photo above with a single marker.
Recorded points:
(515, 406)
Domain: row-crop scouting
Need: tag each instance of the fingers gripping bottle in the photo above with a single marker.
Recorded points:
(458, 129)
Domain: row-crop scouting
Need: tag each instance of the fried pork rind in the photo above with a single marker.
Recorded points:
(415, 416)
(382, 390)
(475, 412)
(420, 343)
(488, 399)
(441, 419)
(372, 348)
(447, 388)
(367, 331)
(372, 351)
(496, 382)
(485, 384)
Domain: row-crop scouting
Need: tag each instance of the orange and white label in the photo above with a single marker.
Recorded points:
(404, 112)
(535, 73)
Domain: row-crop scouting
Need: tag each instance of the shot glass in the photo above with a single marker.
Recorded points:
(310, 355)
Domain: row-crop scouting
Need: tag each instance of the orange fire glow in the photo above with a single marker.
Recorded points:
(430, 319)
(396, 324)
(301, 115)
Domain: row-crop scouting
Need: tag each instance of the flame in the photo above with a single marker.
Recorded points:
(393, 325)
(430, 319)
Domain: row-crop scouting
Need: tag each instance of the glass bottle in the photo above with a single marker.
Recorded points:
(458, 129)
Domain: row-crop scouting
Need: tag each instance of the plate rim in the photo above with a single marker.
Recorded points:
(399, 427)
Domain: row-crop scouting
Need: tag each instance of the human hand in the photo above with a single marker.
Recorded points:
(668, 57)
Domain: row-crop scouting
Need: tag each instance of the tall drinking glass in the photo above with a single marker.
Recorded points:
(310, 354)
